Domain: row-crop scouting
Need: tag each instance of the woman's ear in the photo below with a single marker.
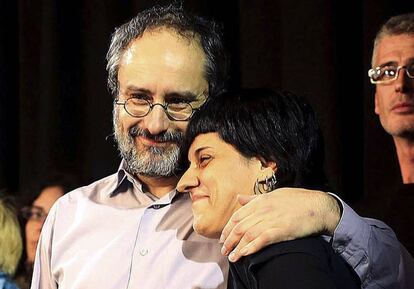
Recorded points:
(268, 168)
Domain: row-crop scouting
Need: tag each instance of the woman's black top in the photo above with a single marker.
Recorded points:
(299, 264)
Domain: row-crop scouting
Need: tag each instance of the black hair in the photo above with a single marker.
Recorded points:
(66, 180)
(277, 125)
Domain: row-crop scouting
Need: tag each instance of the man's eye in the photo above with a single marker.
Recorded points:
(410, 69)
(178, 101)
(389, 71)
(142, 96)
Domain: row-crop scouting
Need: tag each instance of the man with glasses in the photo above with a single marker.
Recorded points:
(132, 229)
(393, 76)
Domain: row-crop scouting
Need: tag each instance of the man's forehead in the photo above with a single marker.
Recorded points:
(164, 47)
(162, 61)
(395, 48)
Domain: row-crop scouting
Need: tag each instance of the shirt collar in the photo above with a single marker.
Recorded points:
(124, 176)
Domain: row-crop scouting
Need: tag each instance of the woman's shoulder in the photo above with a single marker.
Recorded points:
(315, 246)
(293, 264)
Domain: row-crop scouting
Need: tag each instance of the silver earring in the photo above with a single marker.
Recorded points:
(265, 187)
(271, 183)
(256, 188)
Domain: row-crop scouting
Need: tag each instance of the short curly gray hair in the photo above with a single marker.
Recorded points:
(190, 26)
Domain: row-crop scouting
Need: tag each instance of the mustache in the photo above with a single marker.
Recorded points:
(402, 97)
(168, 136)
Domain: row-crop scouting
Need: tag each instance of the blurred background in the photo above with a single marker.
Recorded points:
(56, 111)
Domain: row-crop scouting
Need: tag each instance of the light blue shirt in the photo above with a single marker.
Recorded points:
(372, 249)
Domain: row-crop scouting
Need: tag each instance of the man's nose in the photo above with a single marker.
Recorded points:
(404, 83)
(157, 120)
(188, 181)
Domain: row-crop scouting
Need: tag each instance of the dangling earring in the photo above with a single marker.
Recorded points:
(256, 188)
(271, 183)
(265, 187)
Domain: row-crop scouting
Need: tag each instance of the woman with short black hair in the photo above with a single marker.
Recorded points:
(252, 142)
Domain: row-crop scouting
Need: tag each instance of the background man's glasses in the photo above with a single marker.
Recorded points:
(33, 213)
(389, 73)
(137, 107)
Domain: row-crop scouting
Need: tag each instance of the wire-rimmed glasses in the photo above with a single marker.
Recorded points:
(138, 107)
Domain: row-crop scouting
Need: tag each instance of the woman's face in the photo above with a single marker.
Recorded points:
(216, 175)
(44, 201)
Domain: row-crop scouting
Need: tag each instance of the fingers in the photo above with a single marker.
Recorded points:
(247, 244)
(239, 215)
(282, 215)
(255, 210)
(238, 232)
(254, 240)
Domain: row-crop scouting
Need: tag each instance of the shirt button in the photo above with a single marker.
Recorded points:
(340, 249)
(364, 260)
(143, 252)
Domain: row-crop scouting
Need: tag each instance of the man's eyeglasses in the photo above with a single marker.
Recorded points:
(138, 107)
(388, 73)
(33, 213)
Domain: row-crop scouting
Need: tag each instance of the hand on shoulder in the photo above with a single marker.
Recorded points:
(281, 215)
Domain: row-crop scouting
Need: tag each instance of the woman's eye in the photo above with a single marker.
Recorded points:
(204, 160)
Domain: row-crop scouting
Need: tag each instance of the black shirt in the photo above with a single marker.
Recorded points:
(305, 263)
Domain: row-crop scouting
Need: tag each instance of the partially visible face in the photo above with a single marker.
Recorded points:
(46, 199)
(394, 102)
(216, 175)
(161, 67)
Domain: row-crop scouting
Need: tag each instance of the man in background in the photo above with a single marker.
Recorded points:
(393, 75)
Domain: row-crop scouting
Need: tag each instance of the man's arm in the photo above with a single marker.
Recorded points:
(368, 245)
(282, 215)
(372, 249)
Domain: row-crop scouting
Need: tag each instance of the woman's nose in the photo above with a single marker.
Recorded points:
(188, 181)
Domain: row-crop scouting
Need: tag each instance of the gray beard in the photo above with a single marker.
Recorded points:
(151, 161)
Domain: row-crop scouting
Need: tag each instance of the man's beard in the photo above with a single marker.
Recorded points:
(151, 161)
